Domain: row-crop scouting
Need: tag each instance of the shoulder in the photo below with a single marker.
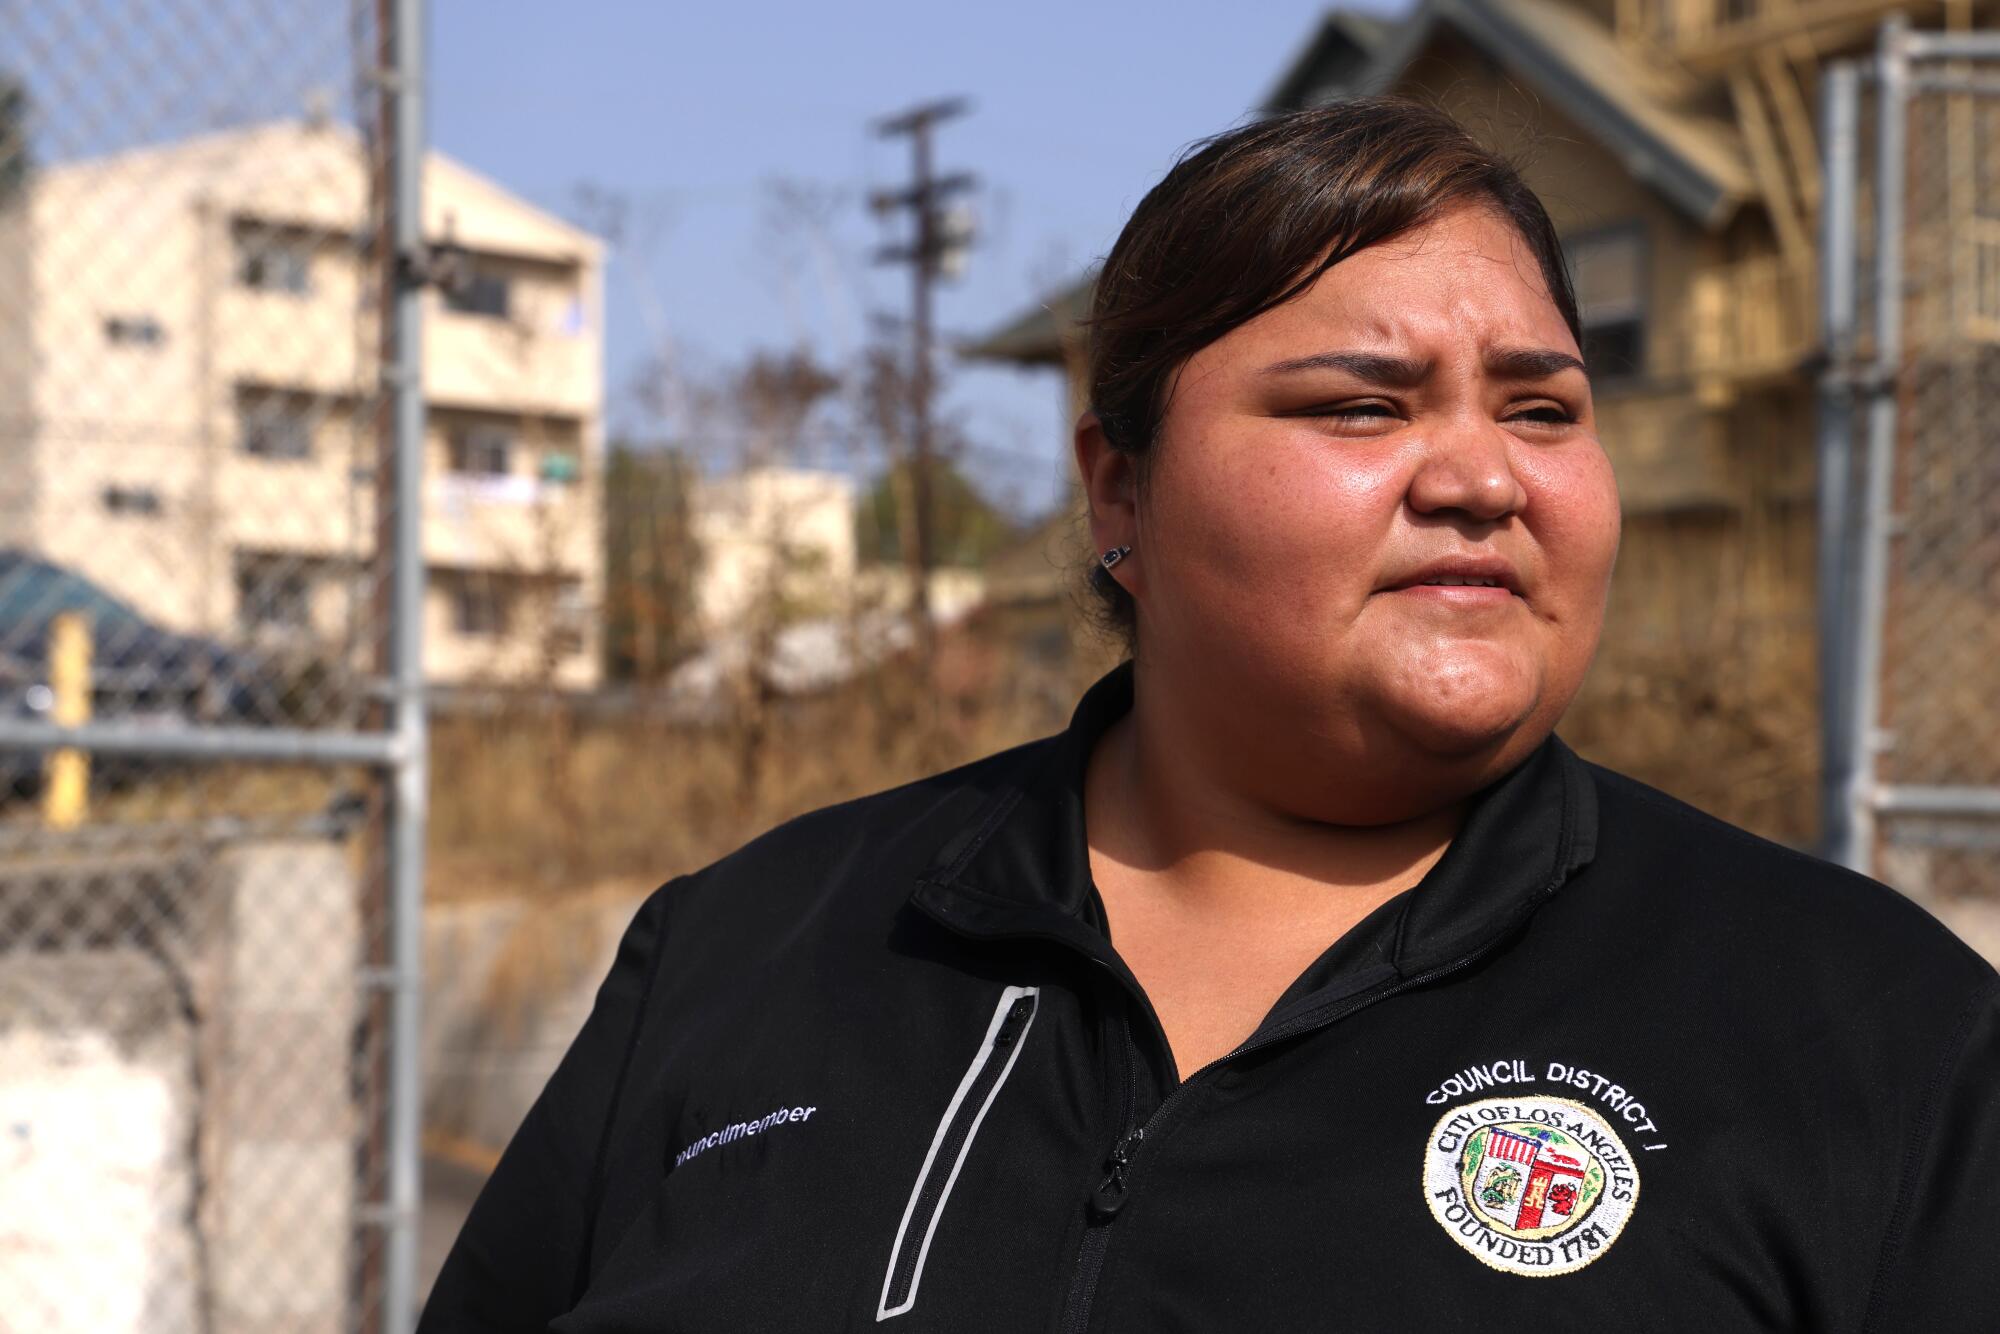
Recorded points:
(1796, 913)
(875, 844)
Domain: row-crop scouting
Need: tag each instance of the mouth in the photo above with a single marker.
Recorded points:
(1465, 579)
(1459, 595)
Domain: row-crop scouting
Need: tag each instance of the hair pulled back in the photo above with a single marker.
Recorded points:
(1250, 218)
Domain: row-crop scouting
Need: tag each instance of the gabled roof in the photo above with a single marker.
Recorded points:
(1338, 51)
(1647, 114)
(1640, 110)
(1035, 335)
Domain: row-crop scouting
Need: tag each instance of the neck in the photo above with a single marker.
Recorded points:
(1164, 800)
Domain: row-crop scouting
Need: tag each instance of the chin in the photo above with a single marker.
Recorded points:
(1459, 737)
(1468, 714)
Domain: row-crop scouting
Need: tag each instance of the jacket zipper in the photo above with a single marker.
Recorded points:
(950, 1145)
(1108, 1197)
(1083, 1279)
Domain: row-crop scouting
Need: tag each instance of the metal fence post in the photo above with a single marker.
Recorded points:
(1864, 718)
(405, 1101)
(1840, 114)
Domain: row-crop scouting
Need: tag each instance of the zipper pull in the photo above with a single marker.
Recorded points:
(1010, 1027)
(1109, 1196)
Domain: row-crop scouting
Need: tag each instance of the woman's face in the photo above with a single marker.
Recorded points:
(1378, 517)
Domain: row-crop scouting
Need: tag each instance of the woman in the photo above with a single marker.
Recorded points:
(1306, 980)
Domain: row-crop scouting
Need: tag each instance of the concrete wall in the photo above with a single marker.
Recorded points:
(281, 951)
(178, 1126)
(97, 1149)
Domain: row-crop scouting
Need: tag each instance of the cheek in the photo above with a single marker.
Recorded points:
(1280, 514)
(1573, 513)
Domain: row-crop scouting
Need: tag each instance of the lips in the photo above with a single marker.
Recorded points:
(1468, 572)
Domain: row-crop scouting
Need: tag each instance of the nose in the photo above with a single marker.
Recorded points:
(1467, 469)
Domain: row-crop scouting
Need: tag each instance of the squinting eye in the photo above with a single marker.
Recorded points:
(1549, 416)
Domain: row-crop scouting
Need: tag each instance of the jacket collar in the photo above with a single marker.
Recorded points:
(1021, 866)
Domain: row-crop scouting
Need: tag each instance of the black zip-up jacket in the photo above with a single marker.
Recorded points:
(1612, 1065)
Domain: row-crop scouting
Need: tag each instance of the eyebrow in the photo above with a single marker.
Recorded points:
(1507, 363)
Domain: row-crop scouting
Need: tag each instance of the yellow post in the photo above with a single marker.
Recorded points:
(67, 784)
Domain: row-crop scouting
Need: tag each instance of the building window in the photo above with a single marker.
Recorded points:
(482, 451)
(273, 593)
(134, 331)
(479, 606)
(131, 499)
(273, 259)
(479, 293)
(273, 424)
(1608, 269)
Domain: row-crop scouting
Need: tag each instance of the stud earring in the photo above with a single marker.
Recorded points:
(1113, 556)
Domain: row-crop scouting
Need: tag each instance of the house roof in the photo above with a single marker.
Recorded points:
(1338, 50)
(1035, 336)
(1643, 111)
(128, 650)
(1648, 115)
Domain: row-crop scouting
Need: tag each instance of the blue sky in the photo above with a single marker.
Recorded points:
(689, 113)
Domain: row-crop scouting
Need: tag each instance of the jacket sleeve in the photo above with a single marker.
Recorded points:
(519, 1260)
(1941, 1252)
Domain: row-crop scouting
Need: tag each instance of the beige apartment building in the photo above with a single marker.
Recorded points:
(775, 542)
(187, 380)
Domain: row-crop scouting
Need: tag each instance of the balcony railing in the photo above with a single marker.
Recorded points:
(510, 364)
(1752, 318)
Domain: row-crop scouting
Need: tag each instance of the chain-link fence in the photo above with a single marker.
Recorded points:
(210, 722)
(1911, 452)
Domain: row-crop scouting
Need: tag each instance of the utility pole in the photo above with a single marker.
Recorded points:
(936, 249)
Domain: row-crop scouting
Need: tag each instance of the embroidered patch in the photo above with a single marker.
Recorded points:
(1530, 1185)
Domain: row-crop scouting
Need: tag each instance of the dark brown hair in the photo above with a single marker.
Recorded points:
(1249, 219)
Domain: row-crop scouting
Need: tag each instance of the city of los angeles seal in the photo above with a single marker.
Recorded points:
(1530, 1185)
